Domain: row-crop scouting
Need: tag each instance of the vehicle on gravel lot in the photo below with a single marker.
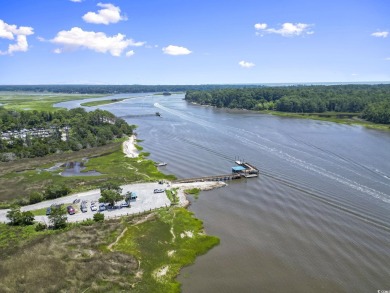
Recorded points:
(102, 207)
(159, 190)
(83, 206)
(93, 208)
(71, 210)
(125, 204)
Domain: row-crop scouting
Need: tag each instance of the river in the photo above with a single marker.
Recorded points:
(317, 219)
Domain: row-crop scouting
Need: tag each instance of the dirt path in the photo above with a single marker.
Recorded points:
(117, 239)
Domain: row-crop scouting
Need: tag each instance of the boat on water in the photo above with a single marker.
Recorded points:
(161, 164)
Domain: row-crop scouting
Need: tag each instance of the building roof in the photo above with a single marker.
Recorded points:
(238, 168)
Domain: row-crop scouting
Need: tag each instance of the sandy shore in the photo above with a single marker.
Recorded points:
(183, 201)
(129, 147)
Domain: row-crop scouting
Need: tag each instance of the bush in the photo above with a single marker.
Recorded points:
(35, 197)
(55, 191)
(40, 227)
(18, 218)
(98, 217)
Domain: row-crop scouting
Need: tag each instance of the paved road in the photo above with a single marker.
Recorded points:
(146, 200)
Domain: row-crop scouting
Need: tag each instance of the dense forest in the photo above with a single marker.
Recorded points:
(115, 89)
(28, 134)
(371, 102)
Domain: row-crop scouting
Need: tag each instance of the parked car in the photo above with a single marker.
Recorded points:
(130, 196)
(71, 210)
(93, 208)
(125, 204)
(159, 190)
(83, 206)
(102, 207)
(48, 211)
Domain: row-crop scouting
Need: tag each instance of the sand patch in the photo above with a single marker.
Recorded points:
(129, 147)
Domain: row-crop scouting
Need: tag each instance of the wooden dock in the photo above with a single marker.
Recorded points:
(210, 178)
(141, 115)
(245, 170)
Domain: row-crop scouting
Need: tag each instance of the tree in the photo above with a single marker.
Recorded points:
(57, 217)
(111, 186)
(110, 196)
(18, 218)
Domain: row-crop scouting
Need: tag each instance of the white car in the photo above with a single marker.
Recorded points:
(93, 208)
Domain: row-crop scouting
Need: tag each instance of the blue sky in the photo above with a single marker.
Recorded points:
(193, 42)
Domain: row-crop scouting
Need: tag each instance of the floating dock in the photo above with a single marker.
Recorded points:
(242, 170)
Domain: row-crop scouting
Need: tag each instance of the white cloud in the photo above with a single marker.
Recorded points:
(109, 14)
(57, 51)
(354, 74)
(260, 26)
(380, 34)
(12, 32)
(246, 64)
(288, 29)
(130, 53)
(77, 1)
(96, 41)
(176, 50)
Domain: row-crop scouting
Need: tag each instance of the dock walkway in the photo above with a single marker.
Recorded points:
(244, 170)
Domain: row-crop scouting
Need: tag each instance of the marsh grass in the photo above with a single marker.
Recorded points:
(77, 258)
(69, 261)
(25, 101)
(100, 103)
(194, 192)
(336, 117)
(172, 195)
(18, 179)
(165, 243)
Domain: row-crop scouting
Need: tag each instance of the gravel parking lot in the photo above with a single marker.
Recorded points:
(146, 200)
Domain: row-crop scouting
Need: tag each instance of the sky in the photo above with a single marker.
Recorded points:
(193, 42)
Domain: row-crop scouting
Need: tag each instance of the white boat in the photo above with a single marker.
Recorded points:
(161, 164)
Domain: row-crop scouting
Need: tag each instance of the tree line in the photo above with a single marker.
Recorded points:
(372, 102)
(115, 89)
(65, 130)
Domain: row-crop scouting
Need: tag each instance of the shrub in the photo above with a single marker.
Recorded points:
(40, 227)
(35, 197)
(98, 217)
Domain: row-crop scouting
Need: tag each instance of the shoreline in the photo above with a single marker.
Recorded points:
(129, 148)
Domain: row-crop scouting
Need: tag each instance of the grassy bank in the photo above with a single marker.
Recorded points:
(163, 246)
(134, 254)
(19, 178)
(100, 103)
(25, 101)
(336, 117)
